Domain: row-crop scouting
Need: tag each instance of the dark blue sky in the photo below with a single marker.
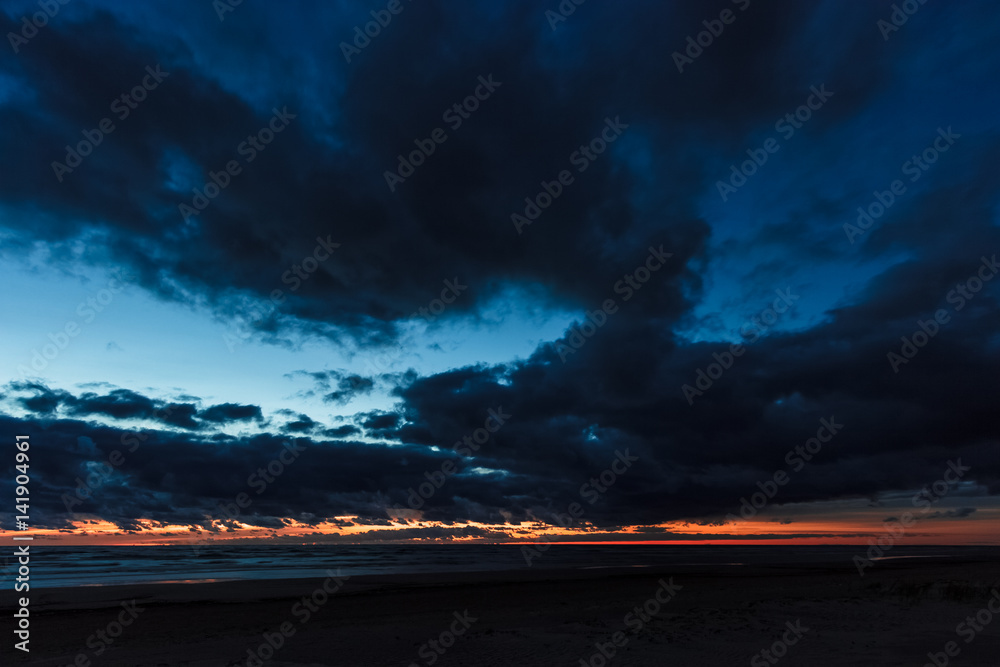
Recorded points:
(225, 239)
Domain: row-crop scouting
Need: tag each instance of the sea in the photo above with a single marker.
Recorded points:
(58, 566)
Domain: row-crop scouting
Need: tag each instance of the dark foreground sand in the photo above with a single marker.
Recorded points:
(895, 615)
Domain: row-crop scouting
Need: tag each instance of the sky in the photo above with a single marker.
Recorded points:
(423, 271)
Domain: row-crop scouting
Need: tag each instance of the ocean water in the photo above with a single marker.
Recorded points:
(53, 566)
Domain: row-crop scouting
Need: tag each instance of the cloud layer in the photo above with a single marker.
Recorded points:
(309, 226)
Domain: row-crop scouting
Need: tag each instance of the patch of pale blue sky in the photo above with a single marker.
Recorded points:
(121, 340)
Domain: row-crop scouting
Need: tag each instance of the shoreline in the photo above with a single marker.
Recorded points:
(131, 569)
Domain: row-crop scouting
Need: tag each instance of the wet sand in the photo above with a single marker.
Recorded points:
(690, 615)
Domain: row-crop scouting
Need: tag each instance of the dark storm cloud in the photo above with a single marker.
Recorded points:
(125, 404)
(380, 421)
(573, 411)
(345, 386)
(117, 403)
(960, 513)
(303, 424)
(42, 400)
(344, 431)
(231, 412)
(899, 430)
(183, 478)
(349, 387)
(551, 452)
(396, 248)
(182, 415)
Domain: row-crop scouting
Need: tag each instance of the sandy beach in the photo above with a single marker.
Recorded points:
(812, 615)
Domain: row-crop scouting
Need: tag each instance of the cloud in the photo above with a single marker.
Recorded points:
(125, 404)
(542, 456)
(574, 408)
(959, 513)
(348, 387)
(226, 412)
(301, 425)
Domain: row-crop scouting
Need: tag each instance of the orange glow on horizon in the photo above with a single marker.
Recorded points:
(856, 529)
